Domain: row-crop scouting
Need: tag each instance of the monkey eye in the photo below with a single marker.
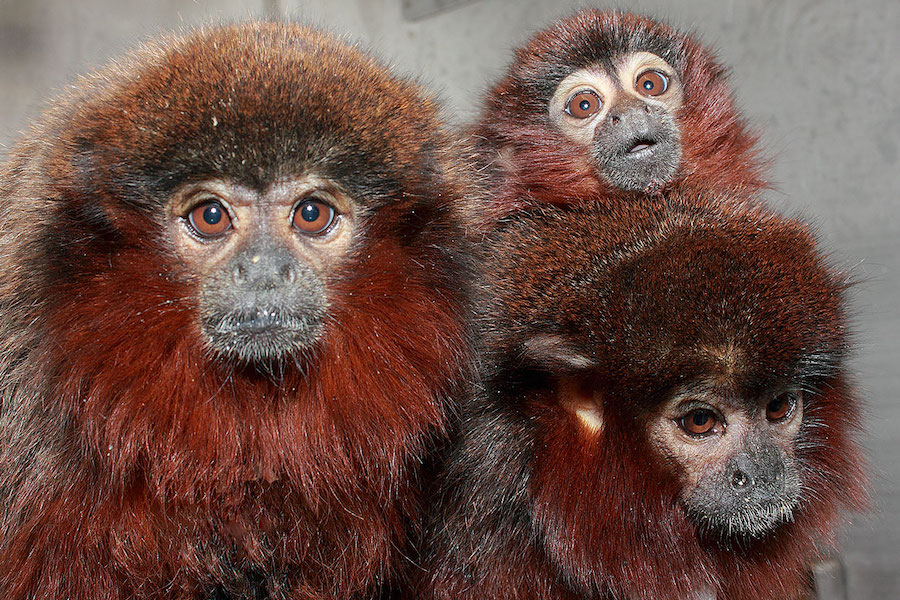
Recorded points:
(698, 422)
(313, 217)
(209, 219)
(652, 83)
(583, 104)
(782, 406)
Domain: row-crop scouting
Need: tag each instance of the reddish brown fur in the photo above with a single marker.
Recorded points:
(624, 292)
(533, 506)
(133, 462)
(534, 161)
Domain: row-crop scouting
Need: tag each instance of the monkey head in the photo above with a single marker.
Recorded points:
(688, 369)
(624, 119)
(607, 102)
(720, 333)
(264, 191)
(742, 327)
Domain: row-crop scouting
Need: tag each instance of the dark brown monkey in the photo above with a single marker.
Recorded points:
(231, 313)
(606, 103)
(666, 411)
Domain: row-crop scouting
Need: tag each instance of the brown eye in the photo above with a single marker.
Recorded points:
(583, 104)
(698, 422)
(209, 219)
(652, 83)
(782, 406)
(313, 217)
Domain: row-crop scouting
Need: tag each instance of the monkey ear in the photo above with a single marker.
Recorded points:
(578, 396)
(555, 352)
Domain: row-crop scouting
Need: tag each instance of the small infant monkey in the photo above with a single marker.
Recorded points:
(231, 316)
(606, 103)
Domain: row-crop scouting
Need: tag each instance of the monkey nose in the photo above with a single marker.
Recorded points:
(742, 474)
(264, 271)
(740, 480)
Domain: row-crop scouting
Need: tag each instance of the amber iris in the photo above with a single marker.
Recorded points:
(781, 406)
(313, 217)
(652, 83)
(698, 422)
(583, 104)
(209, 219)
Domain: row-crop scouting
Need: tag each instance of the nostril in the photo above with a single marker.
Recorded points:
(616, 119)
(239, 274)
(740, 480)
(287, 273)
(647, 108)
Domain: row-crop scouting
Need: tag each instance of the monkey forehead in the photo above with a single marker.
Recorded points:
(756, 287)
(258, 102)
(592, 38)
(671, 289)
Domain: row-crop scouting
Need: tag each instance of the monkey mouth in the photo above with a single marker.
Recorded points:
(261, 322)
(639, 146)
(261, 335)
(753, 513)
(746, 522)
(642, 151)
(640, 162)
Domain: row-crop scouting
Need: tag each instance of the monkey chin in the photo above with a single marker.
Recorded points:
(729, 525)
(262, 338)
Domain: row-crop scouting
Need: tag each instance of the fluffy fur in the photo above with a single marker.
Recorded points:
(626, 294)
(531, 160)
(629, 298)
(133, 462)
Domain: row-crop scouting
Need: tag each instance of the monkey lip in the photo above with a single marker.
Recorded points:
(262, 334)
(262, 322)
(640, 146)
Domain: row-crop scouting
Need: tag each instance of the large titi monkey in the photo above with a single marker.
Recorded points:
(231, 314)
(665, 410)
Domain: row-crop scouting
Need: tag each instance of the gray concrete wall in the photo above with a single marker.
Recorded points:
(820, 78)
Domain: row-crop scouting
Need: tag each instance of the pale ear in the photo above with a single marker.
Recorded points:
(583, 401)
(555, 352)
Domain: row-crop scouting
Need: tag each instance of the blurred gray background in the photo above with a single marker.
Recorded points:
(819, 78)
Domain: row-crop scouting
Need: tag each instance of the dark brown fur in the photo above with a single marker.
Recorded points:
(133, 462)
(627, 299)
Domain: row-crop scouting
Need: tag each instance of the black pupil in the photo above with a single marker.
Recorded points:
(212, 214)
(648, 85)
(775, 406)
(584, 104)
(309, 212)
(700, 418)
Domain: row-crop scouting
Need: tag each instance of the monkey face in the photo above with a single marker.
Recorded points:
(624, 118)
(736, 457)
(260, 259)
(258, 184)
